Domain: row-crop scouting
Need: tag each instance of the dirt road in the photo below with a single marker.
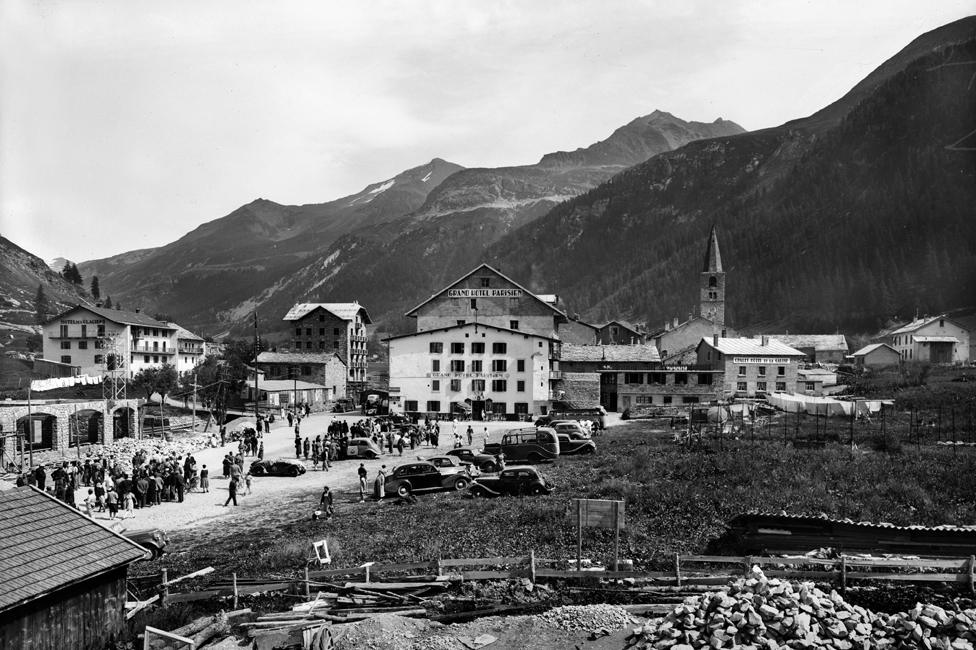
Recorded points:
(203, 509)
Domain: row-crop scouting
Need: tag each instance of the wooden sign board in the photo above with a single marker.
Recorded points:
(600, 513)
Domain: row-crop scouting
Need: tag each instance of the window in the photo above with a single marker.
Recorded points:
(433, 406)
(478, 347)
(680, 379)
(477, 366)
(656, 378)
(690, 399)
(478, 385)
(101, 330)
(335, 331)
(145, 359)
(474, 303)
(521, 408)
(64, 331)
(457, 348)
(455, 385)
(321, 345)
(667, 399)
(704, 379)
(498, 408)
(499, 348)
(435, 385)
(457, 365)
(155, 358)
(99, 345)
(810, 385)
(65, 345)
(941, 323)
(308, 331)
(84, 331)
(321, 318)
(335, 345)
(520, 386)
(741, 386)
(712, 281)
(761, 386)
(499, 385)
(82, 345)
(762, 371)
(742, 371)
(485, 282)
(633, 378)
(781, 386)
(99, 358)
(460, 321)
(306, 370)
(321, 331)
(499, 365)
(513, 303)
(410, 405)
(298, 344)
(520, 365)
(435, 365)
(780, 371)
(308, 345)
(436, 347)
(513, 324)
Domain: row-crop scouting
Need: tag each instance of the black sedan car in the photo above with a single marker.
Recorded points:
(153, 539)
(277, 467)
(484, 462)
(575, 444)
(517, 481)
(424, 477)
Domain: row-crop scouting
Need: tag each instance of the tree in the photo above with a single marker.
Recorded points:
(42, 308)
(167, 380)
(145, 381)
(95, 291)
(108, 302)
(162, 379)
(71, 274)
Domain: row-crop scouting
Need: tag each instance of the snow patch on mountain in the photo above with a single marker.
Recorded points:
(498, 204)
(427, 177)
(373, 193)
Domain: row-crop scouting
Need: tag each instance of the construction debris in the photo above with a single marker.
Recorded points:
(587, 618)
(756, 612)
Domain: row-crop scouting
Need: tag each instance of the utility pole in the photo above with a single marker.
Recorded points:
(30, 428)
(256, 352)
(195, 401)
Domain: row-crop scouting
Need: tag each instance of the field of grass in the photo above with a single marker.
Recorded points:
(676, 501)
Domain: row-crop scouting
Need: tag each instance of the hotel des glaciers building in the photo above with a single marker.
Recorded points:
(485, 346)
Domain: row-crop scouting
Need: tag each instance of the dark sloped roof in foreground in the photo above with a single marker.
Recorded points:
(46, 545)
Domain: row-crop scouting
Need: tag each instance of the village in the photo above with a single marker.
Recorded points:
(111, 499)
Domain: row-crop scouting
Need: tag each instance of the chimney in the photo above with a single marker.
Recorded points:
(675, 322)
(764, 341)
(715, 340)
(98, 303)
(138, 309)
(667, 326)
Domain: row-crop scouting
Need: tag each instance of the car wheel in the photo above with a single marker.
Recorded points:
(534, 458)
(587, 450)
(488, 467)
(371, 455)
(403, 490)
(294, 471)
(460, 484)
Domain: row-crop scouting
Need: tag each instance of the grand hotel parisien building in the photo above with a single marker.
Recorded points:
(485, 346)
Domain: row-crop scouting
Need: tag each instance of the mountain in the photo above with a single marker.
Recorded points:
(222, 264)
(390, 266)
(57, 264)
(21, 273)
(840, 220)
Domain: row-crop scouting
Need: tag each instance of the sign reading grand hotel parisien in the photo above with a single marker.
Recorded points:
(484, 293)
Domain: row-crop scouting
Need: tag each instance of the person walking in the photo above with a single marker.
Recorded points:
(470, 435)
(363, 475)
(247, 483)
(325, 503)
(399, 444)
(112, 500)
(204, 479)
(306, 447)
(379, 486)
(179, 484)
(231, 491)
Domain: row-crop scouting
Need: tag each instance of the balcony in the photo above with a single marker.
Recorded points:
(555, 375)
(358, 338)
(143, 349)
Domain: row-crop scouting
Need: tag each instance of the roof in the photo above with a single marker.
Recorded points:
(609, 353)
(183, 333)
(713, 257)
(119, 316)
(341, 310)
(936, 339)
(47, 545)
(815, 341)
(471, 325)
(622, 323)
(868, 349)
(918, 323)
(413, 311)
(297, 357)
(276, 385)
(753, 347)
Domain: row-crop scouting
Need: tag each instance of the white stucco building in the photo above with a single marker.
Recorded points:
(935, 339)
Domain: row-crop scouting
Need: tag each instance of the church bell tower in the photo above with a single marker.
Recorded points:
(713, 283)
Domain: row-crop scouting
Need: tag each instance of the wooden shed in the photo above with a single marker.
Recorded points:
(63, 575)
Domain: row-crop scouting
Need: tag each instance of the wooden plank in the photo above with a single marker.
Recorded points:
(713, 559)
(273, 586)
(328, 573)
(910, 577)
(193, 595)
(404, 566)
(485, 561)
(492, 575)
(195, 574)
(600, 513)
(393, 585)
(961, 565)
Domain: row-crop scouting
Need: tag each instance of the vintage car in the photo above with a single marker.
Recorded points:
(569, 426)
(575, 443)
(446, 462)
(484, 462)
(277, 467)
(360, 448)
(152, 539)
(516, 481)
(424, 477)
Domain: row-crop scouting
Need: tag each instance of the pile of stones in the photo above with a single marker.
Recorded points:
(756, 612)
(587, 618)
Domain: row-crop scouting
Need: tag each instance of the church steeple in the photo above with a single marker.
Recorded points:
(713, 283)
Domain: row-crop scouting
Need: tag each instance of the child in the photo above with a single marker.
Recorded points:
(205, 479)
(130, 504)
(247, 482)
(112, 500)
(87, 506)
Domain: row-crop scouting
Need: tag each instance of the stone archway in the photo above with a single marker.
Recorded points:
(86, 427)
(38, 432)
(123, 423)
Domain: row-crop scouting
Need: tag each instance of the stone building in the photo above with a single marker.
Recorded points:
(326, 370)
(585, 367)
(818, 348)
(751, 367)
(327, 327)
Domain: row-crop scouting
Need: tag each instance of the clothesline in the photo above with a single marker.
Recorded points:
(41, 385)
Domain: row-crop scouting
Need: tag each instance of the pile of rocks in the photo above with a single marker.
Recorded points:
(587, 618)
(759, 613)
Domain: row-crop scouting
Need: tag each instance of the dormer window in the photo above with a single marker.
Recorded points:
(485, 282)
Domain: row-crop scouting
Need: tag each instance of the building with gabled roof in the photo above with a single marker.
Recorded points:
(933, 339)
(64, 575)
(819, 348)
(320, 370)
(327, 327)
(620, 332)
(751, 367)
(876, 355)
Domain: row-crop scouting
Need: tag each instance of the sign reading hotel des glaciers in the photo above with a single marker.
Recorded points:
(484, 293)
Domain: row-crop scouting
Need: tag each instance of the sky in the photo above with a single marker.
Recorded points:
(125, 124)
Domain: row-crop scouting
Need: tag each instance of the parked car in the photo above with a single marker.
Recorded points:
(277, 467)
(360, 448)
(425, 477)
(571, 444)
(152, 539)
(516, 481)
(483, 461)
(596, 415)
(527, 445)
(343, 405)
(452, 462)
(569, 426)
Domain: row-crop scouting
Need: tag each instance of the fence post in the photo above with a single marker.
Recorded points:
(440, 568)
(235, 590)
(972, 574)
(747, 563)
(677, 570)
(532, 564)
(165, 586)
(307, 590)
(843, 574)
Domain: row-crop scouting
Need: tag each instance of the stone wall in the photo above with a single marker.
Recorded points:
(579, 389)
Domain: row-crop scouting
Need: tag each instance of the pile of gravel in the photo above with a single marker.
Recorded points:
(587, 618)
